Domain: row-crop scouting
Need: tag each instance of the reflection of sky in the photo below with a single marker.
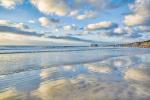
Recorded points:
(115, 78)
(15, 63)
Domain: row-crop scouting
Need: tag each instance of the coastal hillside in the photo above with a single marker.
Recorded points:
(142, 44)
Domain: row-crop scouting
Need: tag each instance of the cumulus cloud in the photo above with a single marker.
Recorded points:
(21, 26)
(109, 36)
(77, 7)
(120, 31)
(21, 38)
(58, 7)
(8, 23)
(20, 34)
(142, 29)
(18, 28)
(29, 38)
(10, 4)
(44, 21)
(135, 19)
(83, 15)
(31, 21)
(107, 4)
(70, 27)
(136, 32)
(86, 15)
(101, 25)
(141, 7)
(140, 13)
(74, 13)
(125, 34)
(86, 9)
(17, 31)
(5, 22)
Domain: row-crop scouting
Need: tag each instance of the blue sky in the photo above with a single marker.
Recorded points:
(58, 21)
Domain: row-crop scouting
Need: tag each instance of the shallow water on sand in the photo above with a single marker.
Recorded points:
(98, 74)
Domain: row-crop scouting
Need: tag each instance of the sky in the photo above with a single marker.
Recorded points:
(73, 22)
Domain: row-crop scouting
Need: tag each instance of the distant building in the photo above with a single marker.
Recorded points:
(94, 45)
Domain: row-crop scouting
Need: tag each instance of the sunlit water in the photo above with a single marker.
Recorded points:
(97, 74)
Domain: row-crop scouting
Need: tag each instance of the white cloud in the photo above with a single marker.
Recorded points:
(8, 23)
(20, 34)
(10, 4)
(44, 21)
(58, 7)
(82, 16)
(141, 7)
(122, 31)
(100, 5)
(101, 25)
(83, 32)
(21, 26)
(131, 20)
(67, 27)
(74, 9)
(31, 21)
(119, 31)
(112, 34)
(86, 15)
(140, 15)
(74, 13)
(13, 38)
(17, 28)
(70, 27)
(142, 29)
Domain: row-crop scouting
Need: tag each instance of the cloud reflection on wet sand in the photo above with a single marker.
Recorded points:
(90, 81)
(8, 94)
(138, 74)
(87, 88)
(48, 72)
(97, 68)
